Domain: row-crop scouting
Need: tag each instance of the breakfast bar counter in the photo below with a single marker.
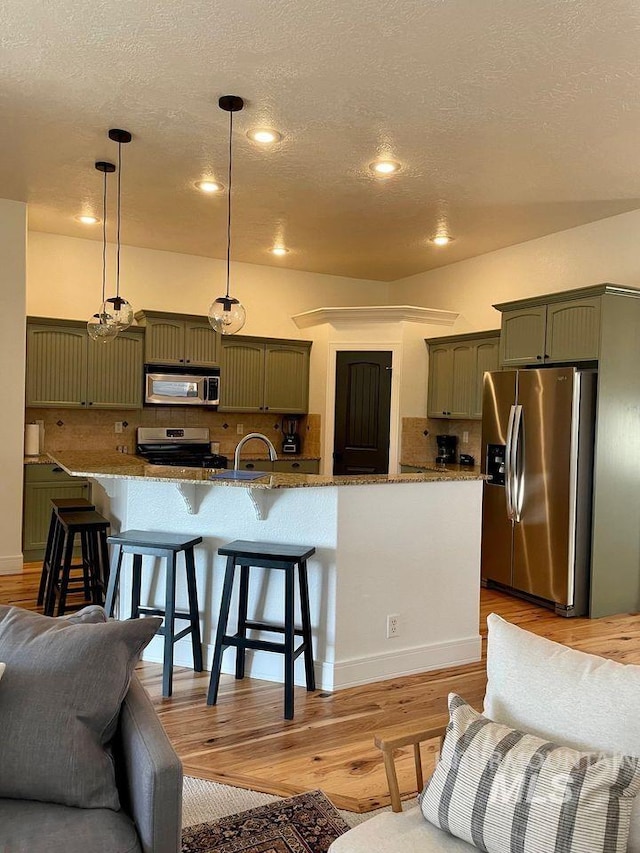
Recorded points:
(405, 545)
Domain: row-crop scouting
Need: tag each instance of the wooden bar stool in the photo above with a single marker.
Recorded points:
(166, 546)
(92, 529)
(266, 555)
(57, 505)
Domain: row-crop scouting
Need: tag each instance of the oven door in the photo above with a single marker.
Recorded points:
(176, 389)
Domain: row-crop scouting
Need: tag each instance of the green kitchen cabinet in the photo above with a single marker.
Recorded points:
(41, 483)
(256, 465)
(178, 339)
(66, 369)
(550, 330)
(456, 367)
(264, 375)
(296, 466)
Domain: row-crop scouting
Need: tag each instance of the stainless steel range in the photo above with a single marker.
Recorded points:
(184, 447)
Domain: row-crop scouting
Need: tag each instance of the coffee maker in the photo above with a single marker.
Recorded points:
(291, 441)
(447, 448)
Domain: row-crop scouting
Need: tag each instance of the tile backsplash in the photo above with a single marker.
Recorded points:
(419, 438)
(71, 429)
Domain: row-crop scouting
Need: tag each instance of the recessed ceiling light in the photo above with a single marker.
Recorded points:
(264, 135)
(441, 239)
(279, 250)
(87, 220)
(208, 186)
(383, 168)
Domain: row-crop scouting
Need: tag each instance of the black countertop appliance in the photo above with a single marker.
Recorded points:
(291, 441)
(447, 449)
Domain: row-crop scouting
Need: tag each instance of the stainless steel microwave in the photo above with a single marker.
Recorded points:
(169, 385)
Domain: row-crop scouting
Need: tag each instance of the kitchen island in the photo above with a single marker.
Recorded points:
(405, 545)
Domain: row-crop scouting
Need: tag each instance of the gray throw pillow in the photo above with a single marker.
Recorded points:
(60, 700)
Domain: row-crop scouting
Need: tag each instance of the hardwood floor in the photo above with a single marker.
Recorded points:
(244, 740)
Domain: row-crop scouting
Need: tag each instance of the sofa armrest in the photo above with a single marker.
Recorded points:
(150, 774)
(392, 739)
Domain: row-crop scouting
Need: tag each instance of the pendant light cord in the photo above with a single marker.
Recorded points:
(118, 221)
(104, 241)
(229, 204)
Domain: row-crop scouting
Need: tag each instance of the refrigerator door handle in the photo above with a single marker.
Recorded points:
(508, 461)
(516, 464)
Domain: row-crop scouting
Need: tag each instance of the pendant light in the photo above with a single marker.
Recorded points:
(100, 326)
(226, 314)
(116, 307)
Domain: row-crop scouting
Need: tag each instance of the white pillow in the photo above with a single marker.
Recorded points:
(560, 694)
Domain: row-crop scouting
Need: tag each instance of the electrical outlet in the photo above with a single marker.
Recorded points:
(465, 437)
(240, 429)
(118, 426)
(393, 626)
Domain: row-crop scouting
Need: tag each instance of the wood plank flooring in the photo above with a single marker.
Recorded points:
(244, 740)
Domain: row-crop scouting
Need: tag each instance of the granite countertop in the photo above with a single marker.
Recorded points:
(433, 466)
(111, 465)
(40, 459)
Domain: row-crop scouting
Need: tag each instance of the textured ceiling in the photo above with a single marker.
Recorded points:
(512, 120)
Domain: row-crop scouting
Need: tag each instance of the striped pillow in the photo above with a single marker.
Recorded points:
(509, 792)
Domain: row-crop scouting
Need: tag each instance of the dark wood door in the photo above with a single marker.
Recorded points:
(363, 397)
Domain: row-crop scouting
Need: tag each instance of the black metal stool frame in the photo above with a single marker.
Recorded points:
(138, 550)
(241, 642)
(58, 505)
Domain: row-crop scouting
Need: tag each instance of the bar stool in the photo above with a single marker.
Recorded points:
(57, 505)
(92, 529)
(266, 555)
(166, 546)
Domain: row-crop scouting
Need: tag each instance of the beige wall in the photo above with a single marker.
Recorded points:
(604, 251)
(13, 234)
(65, 281)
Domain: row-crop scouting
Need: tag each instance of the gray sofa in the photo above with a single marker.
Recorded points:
(149, 777)
(85, 765)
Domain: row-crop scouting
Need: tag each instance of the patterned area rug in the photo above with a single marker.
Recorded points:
(306, 823)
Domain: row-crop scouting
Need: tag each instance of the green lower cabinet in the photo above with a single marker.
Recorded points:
(256, 465)
(297, 466)
(43, 482)
(412, 469)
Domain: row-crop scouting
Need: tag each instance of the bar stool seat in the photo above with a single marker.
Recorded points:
(167, 546)
(57, 505)
(267, 555)
(92, 529)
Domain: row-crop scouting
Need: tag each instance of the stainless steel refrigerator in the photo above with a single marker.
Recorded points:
(537, 449)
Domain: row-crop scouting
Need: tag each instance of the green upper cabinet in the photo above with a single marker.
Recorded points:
(242, 375)
(552, 329)
(178, 339)
(456, 367)
(56, 365)
(260, 375)
(115, 372)
(487, 359)
(573, 330)
(66, 369)
(286, 378)
(523, 335)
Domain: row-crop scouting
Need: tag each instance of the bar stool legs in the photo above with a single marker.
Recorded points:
(287, 558)
(165, 546)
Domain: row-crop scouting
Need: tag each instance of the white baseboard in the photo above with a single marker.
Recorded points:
(11, 565)
(364, 670)
(334, 676)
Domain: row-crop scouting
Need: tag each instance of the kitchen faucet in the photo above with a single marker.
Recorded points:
(272, 451)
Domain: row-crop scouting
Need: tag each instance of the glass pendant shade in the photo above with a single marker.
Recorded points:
(119, 312)
(100, 327)
(226, 315)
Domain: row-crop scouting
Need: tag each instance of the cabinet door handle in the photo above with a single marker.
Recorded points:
(89, 404)
(539, 357)
(188, 360)
(56, 470)
(249, 466)
(546, 355)
(295, 464)
(83, 403)
(181, 360)
(266, 408)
